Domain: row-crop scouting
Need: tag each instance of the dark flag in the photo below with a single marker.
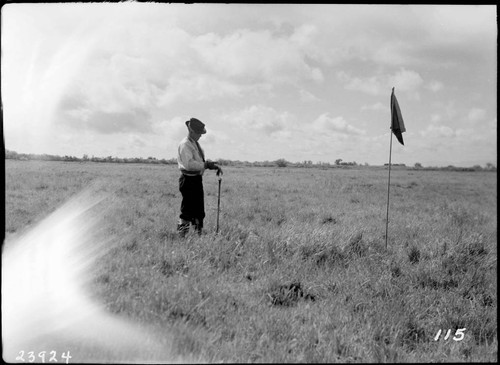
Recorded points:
(397, 124)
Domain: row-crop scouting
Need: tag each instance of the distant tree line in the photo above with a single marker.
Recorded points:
(45, 157)
(152, 160)
(339, 163)
(488, 167)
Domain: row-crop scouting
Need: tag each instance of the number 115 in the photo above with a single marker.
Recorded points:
(459, 334)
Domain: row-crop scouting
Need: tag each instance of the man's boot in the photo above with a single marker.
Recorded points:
(198, 225)
(182, 228)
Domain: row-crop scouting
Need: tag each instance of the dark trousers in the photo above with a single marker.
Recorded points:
(193, 204)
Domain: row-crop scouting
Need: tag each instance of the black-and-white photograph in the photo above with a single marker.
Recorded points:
(249, 183)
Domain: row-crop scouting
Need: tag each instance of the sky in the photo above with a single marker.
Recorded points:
(270, 81)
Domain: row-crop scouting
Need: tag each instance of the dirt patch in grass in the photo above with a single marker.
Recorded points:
(287, 295)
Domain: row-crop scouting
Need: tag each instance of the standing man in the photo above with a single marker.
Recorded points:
(192, 164)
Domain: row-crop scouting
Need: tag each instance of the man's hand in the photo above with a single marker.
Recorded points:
(212, 166)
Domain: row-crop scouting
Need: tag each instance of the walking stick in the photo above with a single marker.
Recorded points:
(218, 202)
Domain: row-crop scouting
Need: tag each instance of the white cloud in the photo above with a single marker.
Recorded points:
(255, 54)
(465, 132)
(435, 118)
(304, 35)
(196, 87)
(434, 85)
(493, 125)
(390, 53)
(375, 107)
(336, 124)
(452, 22)
(307, 96)
(404, 80)
(476, 114)
(450, 109)
(370, 85)
(263, 119)
(437, 131)
(172, 129)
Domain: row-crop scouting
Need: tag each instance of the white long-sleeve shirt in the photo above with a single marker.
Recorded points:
(189, 158)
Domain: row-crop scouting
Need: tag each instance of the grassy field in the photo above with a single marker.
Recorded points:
(299, 271)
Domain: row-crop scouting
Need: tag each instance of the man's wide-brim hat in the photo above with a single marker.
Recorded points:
(196, 126)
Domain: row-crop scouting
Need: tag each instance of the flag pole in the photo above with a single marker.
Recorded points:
(218, 203)
(397, 127)
(389, 181)
(388, 190)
